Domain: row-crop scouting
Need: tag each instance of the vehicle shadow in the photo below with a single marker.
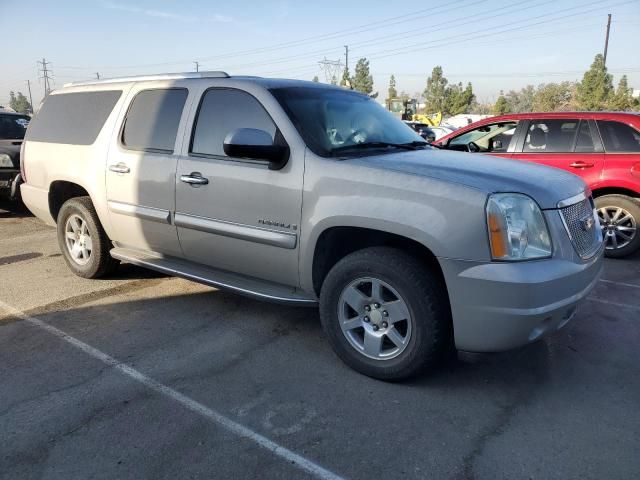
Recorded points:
(9, 209)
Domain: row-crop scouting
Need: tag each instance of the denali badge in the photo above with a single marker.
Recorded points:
(271, 223)
(587, 223)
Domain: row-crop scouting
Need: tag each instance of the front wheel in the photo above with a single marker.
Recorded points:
(385, 313)
(619, 217)
(83, 242)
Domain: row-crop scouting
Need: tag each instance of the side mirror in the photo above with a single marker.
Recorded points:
(257, 145)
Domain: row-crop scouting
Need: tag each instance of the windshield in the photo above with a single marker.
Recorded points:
(331, 120)
(13, 127)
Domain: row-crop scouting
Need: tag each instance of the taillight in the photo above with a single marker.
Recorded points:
(22, 169)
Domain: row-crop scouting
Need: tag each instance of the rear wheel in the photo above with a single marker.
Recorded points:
(620, 218)
(385, 313)
(83, 242)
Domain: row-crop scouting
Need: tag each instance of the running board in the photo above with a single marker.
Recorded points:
(224, 280)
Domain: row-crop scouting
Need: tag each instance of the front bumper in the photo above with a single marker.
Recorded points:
(8, 177)
(499, 306)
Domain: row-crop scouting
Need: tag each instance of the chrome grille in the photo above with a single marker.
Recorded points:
(583, 227)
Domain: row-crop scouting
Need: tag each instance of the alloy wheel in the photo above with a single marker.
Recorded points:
(78, 239)
(374, 318)
(618, 227)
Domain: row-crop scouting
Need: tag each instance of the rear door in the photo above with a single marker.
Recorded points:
(141, 168)
(622, 153)
(569, 144)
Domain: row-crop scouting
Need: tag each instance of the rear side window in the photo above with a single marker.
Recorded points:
(153, 118)
(223, 111)
(72, 118)
(551, 136)
(618, 137)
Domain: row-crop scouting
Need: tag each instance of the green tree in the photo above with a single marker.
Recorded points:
(334, 80)
(501, 106)
(553, 97)
(315, 79)
(346, 79)
(392, 92)
(435, 94)
(521, 101)
(458, 100)
(362, 79)
(596, 87)
(623, 99)
(19, 103)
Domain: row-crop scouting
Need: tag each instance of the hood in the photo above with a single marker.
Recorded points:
(11, 148)
(546, 185)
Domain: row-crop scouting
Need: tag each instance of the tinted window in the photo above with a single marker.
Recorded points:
(618, 137)
(548, 136)
(490, 138)
(223, 111)
(13, 126)
(584, 142)
(335, 121)
(73, 118)
(153, 118)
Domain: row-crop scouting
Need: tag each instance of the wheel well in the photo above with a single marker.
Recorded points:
(337, 242)
(615, 191)
(61, 191)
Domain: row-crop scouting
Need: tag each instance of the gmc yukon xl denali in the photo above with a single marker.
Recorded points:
(309, 194)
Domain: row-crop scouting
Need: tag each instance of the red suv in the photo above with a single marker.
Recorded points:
(602, 148)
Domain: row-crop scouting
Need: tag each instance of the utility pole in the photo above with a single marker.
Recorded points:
(346, 57)
(606, 42)
(197, 66)
(46, 72)
(30, 97)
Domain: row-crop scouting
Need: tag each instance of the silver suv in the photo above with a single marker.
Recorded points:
(309, 194)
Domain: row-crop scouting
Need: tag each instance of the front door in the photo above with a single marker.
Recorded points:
(495, 139)
(236, 214)
(141, 170)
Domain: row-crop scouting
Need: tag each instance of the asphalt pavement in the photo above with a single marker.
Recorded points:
(146, 376)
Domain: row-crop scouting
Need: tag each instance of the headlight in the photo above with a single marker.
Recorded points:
(5, 160)
(517, 230)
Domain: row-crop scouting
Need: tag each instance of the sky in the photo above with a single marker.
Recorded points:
(494, 44)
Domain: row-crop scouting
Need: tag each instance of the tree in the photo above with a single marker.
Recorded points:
(458, 100)
(19, 103)
(392, 92)
(501, 106)
(623, 99)
(334, 80)
(315, 79)
(362, 79)
(596, 87)
(553, 97)
(521, 101)
(435, 94)
(346, 79)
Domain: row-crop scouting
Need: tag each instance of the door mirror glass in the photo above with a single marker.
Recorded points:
(255, 144)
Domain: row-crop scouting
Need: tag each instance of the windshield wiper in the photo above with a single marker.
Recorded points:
(358, 146)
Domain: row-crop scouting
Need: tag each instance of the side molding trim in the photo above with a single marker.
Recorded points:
(235, 230)
(146, 213)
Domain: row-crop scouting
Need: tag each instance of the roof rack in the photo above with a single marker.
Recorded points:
(161, 76)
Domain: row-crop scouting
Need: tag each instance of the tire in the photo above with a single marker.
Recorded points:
(96, 262)
(611, 210)
(427, 331)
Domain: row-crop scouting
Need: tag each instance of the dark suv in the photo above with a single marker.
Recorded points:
(12, 129)
(603, 148)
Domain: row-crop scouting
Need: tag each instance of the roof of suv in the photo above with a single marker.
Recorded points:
(266, 82)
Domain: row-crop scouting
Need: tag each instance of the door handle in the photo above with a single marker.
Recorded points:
(580, 164)
(194, 179)
(119, 168)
